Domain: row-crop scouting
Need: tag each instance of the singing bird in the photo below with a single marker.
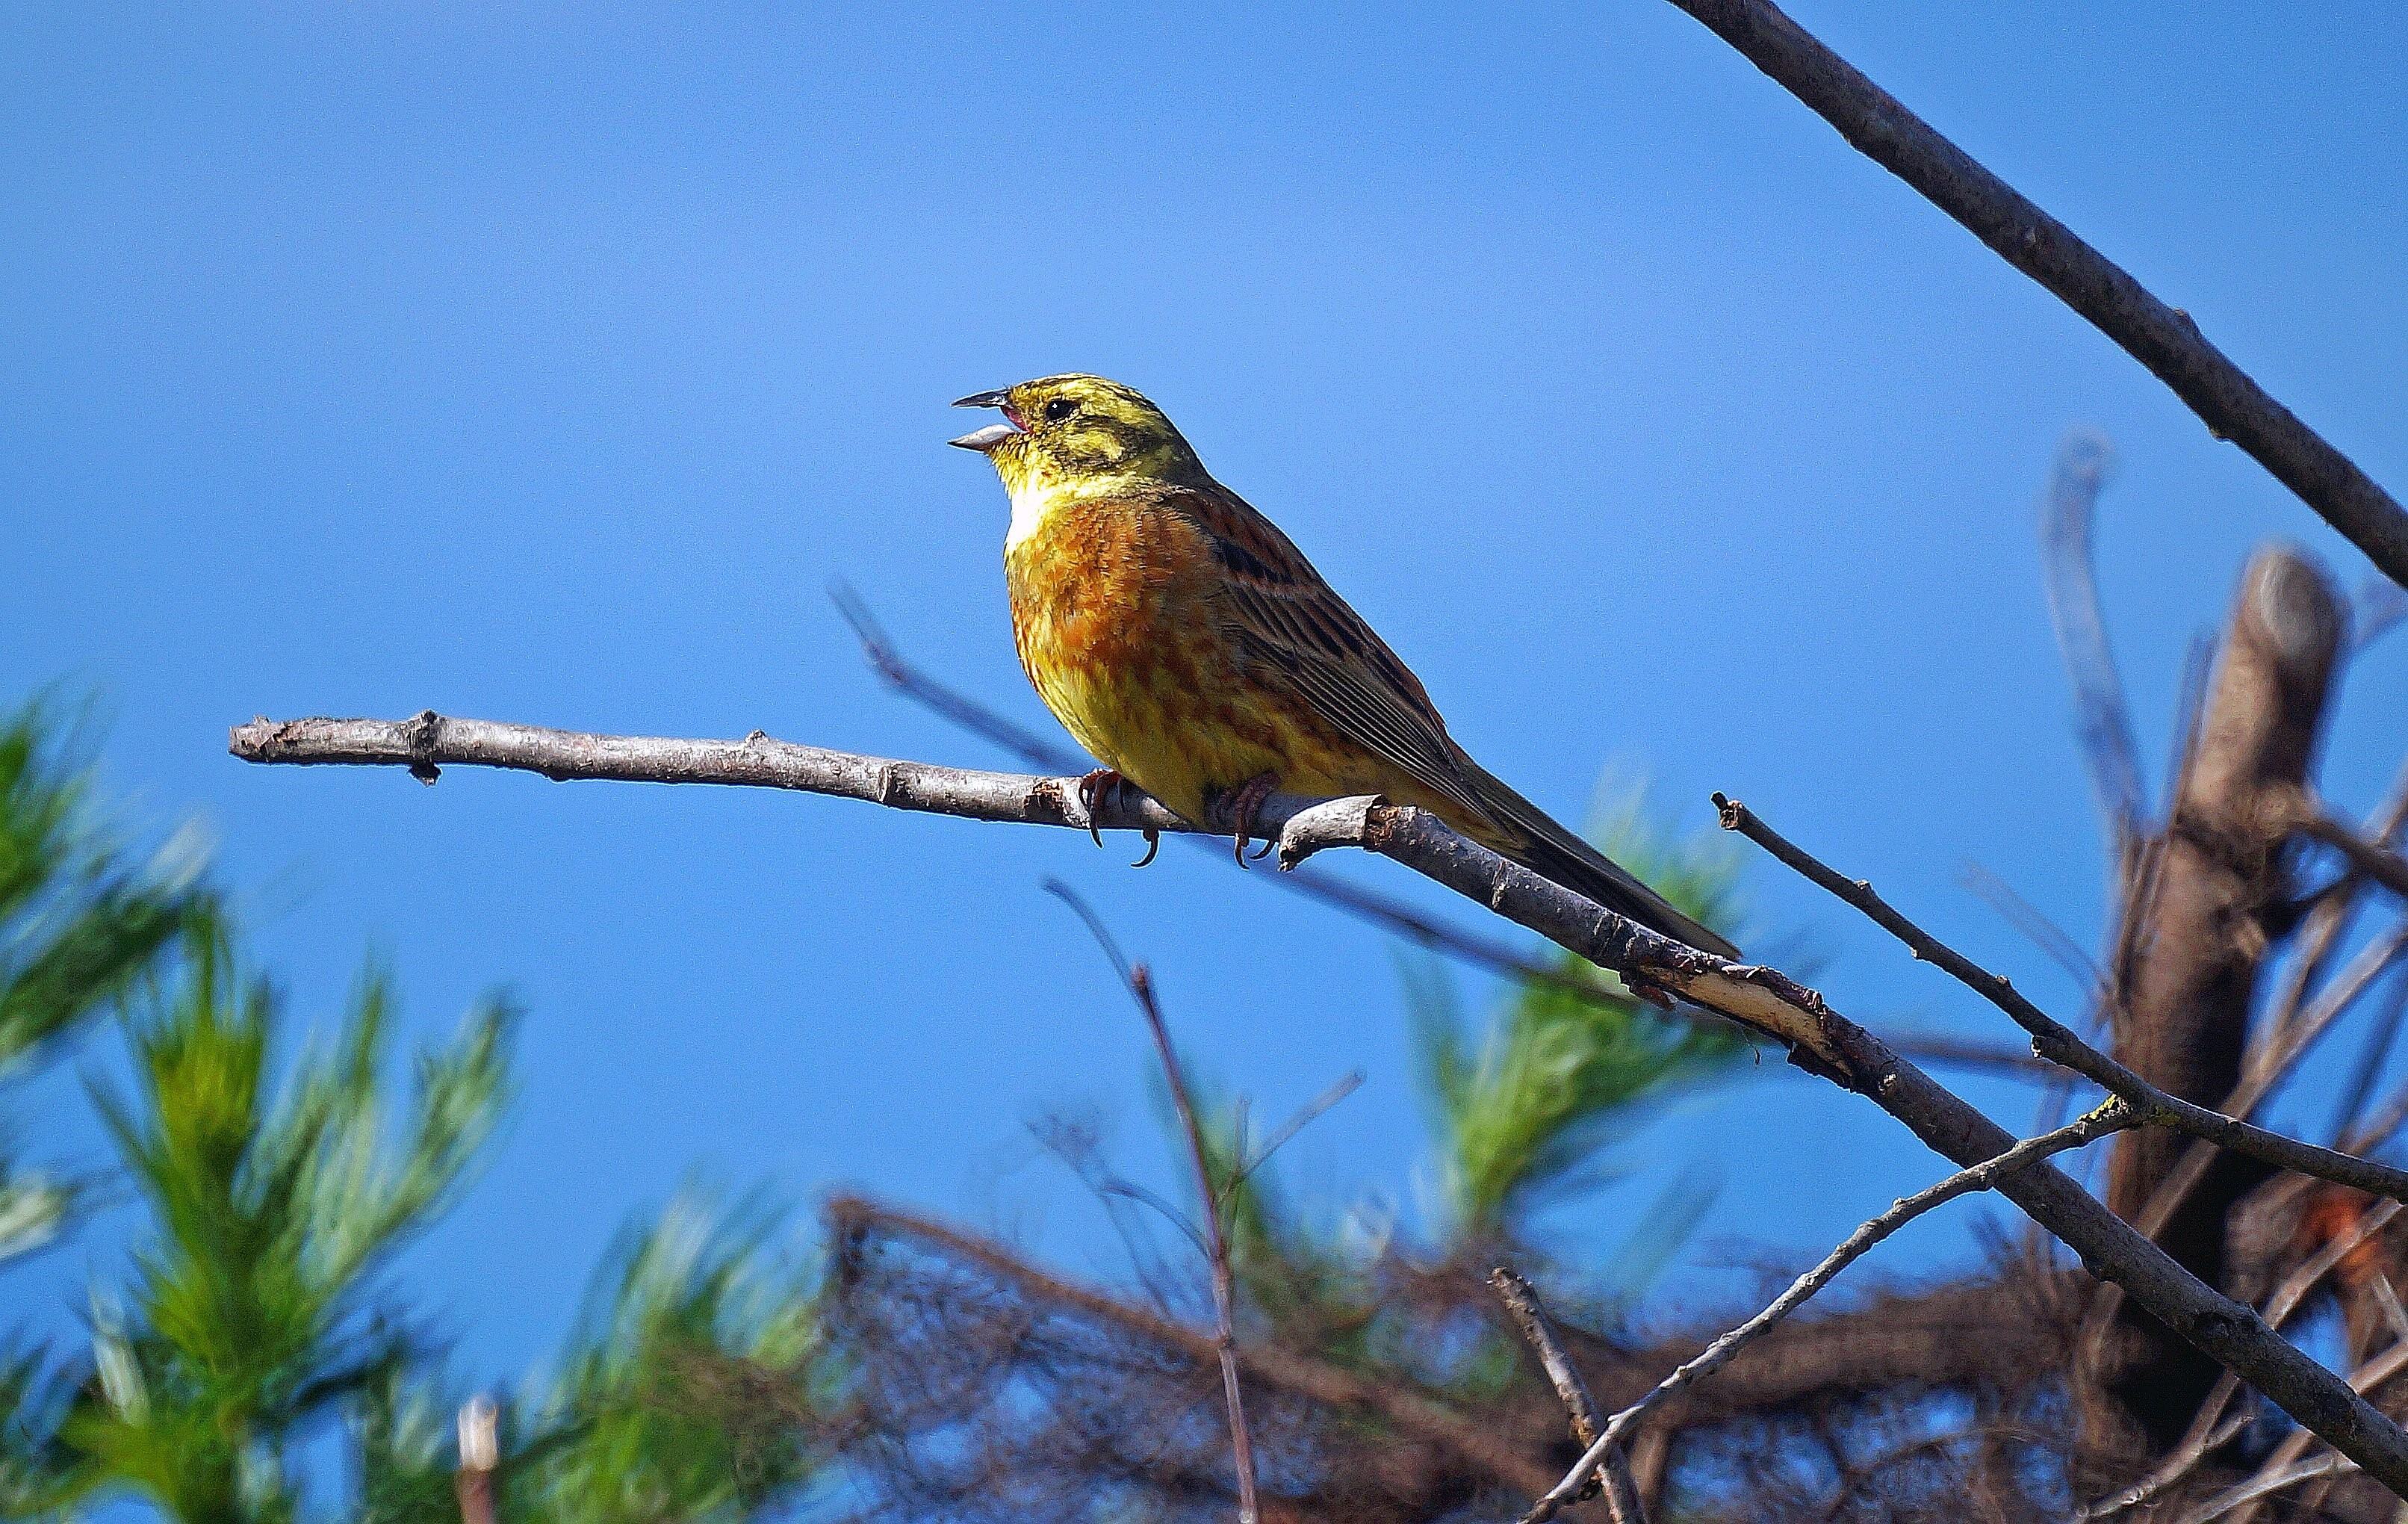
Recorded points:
(1191, 647)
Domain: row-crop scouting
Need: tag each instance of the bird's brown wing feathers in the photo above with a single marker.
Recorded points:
(1296, 633)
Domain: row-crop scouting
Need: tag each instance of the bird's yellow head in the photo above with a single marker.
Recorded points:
(1077, 431)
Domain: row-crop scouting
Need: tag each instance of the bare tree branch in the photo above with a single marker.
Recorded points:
(2282, 1466)
(2112, 1116)
(2365, 854)
(1216, 1243)
(2373, 1054)
(939, 697)
(2057, 1043)
(2102, 719)
(2266, 1484)
(1820, 1040)
(2163, 339)
(1530, 1315)
(2210, 1429)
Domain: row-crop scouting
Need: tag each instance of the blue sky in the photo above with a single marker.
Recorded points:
(546, 363)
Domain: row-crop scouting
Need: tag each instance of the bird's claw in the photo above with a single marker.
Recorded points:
(1243, 805)
(1153, 845)
(1093, 789)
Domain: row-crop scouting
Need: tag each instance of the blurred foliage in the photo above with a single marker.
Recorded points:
(1523, 1108)
(78, 924)
(688, 1393)
(252, 1321)
(250, 1312)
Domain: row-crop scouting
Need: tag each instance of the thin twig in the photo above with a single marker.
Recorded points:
(1140, 980)
(2386, 867)
(2371, 1057)
(2057, 1043)
(2045, 934)
(1249, 1161)
(1819, 1039)
(2110, 1116)
(2266, 1484)
(1530, 1315)
(2163, 339)
(2102, 718)
(2380, 608)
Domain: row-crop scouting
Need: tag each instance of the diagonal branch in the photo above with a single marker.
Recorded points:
(2057, 1043)
(2163, 339)
(2365, 856)
(2112, 1116)
(1612, 1473)
(1819, 1039)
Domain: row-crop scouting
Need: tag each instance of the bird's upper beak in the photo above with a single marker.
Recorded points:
(988, 438)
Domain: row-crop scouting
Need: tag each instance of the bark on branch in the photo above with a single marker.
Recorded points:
(2162, 337)
(2201, 937)
(1819, 1039)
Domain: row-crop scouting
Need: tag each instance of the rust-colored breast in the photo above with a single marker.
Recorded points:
(1112, 610)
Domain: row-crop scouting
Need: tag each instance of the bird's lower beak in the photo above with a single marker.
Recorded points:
(985, 439)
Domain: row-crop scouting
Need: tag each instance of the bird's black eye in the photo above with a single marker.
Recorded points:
(1059, 409)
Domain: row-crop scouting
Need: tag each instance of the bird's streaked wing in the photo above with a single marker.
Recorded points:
(1299, 635)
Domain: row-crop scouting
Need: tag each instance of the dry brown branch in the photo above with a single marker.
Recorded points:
(2112, 1116)
(2322, 931)
(1411, 1412)
(2210, 1429)
(1211, 1239)
(1819, 1039)
(2188, 985)
(2364, 854)
(2163, 339)
(1530, 1315)
(2055, 1041)
(2283, 1467)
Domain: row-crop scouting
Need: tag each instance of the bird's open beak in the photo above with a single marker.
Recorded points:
(988, 438)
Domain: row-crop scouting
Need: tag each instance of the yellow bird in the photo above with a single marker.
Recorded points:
(1195, 651)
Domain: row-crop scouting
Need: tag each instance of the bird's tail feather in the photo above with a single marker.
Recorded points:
(1532, 837)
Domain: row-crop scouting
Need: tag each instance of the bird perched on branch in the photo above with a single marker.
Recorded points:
(1192, 648)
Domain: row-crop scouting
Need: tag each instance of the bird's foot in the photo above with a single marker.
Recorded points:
(1245, 800)
(1093, 789)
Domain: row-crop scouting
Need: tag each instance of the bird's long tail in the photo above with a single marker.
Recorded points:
(1530, 836)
